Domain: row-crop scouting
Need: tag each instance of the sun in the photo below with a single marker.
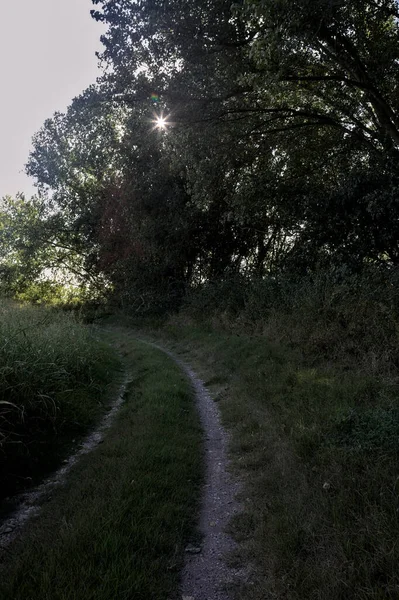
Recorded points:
(161, 123)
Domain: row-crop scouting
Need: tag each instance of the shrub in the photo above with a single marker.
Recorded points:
(352, 318)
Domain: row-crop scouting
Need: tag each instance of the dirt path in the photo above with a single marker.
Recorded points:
(207, 575)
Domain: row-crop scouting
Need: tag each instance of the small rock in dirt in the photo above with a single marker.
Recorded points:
(191, 549)
(30, 501)
(8, 530)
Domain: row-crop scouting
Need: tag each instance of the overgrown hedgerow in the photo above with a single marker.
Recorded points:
(332, 315)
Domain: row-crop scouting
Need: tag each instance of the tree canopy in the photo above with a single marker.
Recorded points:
(277, 149)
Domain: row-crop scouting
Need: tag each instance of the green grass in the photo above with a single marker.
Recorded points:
(54, 385)
(317, 448)
(119, 527)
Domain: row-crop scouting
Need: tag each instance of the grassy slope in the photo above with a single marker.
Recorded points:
(317, 448)
(118, 529)
(55, 384)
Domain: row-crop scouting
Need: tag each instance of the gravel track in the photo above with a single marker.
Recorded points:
(206, 574)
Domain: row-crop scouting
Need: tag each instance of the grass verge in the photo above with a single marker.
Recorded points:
(119, 527)
(54, 385)
(317, 448)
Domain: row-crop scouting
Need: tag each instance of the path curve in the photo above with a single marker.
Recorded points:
(206, 574)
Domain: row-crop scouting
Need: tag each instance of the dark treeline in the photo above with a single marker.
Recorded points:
(279, 151)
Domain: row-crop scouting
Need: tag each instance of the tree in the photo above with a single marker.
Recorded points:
(329, 63)
(279, 151)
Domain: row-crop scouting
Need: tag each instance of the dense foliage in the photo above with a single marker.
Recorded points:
(278, 151)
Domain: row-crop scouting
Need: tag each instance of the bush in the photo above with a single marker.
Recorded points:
(352, 318)
(227, 296)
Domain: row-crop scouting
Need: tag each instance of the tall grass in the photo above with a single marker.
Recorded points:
(317, 451)
(332, 315)
(53, 377)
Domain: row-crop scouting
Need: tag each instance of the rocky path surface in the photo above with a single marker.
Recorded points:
(206, 574)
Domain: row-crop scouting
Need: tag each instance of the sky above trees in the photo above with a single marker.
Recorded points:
(47, 56)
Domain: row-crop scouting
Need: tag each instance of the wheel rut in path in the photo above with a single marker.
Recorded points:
(28, 504)
(206, 574)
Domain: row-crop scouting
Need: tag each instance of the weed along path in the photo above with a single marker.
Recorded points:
(140, 511)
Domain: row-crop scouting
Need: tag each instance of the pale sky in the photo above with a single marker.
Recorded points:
(47, 57)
